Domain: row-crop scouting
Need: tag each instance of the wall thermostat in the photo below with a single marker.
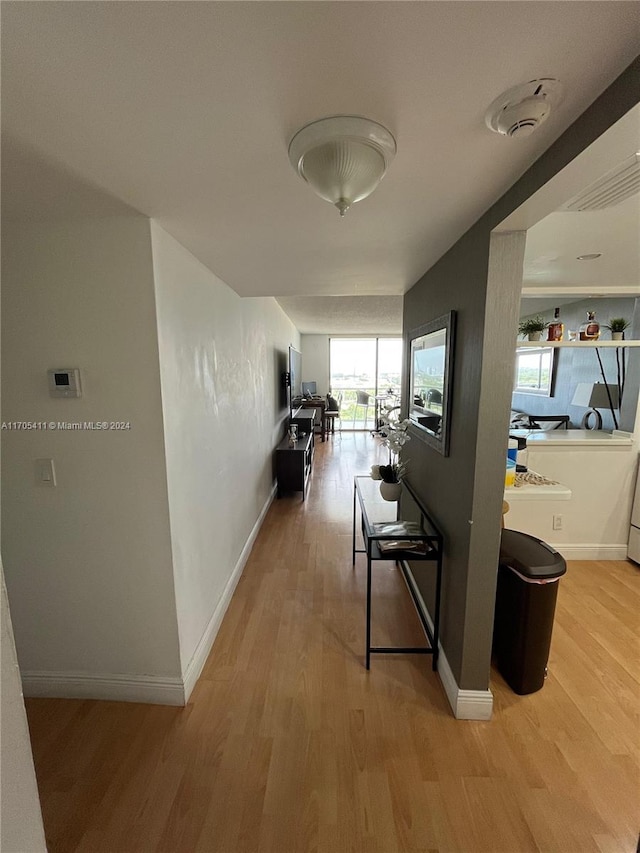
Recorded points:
(64, 382)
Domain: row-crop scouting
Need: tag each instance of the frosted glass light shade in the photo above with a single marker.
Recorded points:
(594, 396)
(345, 170)
(343, 158)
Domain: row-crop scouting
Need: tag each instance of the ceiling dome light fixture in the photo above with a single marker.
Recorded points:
(342, 158)
(591, 257)
(522, 109)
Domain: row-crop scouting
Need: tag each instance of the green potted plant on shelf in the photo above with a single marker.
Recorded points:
(617, 327)
(532, 328)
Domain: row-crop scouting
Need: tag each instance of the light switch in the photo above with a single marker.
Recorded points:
(45, 472)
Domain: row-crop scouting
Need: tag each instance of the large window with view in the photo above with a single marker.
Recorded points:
(361, 370)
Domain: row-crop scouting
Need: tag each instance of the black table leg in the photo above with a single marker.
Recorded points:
(353, 539)
(436, 616)
(368, 652)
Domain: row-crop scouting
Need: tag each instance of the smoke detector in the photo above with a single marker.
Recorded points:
(521, 110)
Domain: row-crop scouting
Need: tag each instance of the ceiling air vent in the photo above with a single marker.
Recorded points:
(616, 186)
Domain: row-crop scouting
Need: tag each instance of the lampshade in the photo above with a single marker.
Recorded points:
(342, 158)
(594, 396)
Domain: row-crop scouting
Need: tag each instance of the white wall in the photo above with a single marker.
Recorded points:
(88, 563)
(315, 360)
(221, 359)
(21, 828)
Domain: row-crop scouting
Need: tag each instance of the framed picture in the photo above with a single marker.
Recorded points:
(431, 378)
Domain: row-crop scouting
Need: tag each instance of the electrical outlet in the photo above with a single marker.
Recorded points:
(557, 522)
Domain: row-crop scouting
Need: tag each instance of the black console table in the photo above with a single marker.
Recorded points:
(414, 527)
(293, 464)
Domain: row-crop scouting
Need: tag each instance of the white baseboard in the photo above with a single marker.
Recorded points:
(465, 704)
(117, 688)
(198, 660)
(591, 552)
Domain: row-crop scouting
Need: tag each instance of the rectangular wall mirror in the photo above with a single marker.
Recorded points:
(431, 376)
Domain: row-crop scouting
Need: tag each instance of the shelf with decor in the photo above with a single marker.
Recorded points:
(587, 344)
(596, 398)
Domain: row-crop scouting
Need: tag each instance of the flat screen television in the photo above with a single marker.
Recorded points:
(295, 376)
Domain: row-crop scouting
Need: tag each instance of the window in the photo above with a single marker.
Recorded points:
(534, 371)
(389, 365)
(359, 370)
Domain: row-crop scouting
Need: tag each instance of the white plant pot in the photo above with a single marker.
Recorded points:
(375, 472)
(617, 336)
(390, 491)
(534, 336)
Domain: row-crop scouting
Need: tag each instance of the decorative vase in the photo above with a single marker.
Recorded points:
(534, 336)
(617, 336)
(390, 491)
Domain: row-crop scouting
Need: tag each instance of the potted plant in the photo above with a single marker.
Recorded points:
(617, 327)
(532, 327)
(391, 479)
(394, 437)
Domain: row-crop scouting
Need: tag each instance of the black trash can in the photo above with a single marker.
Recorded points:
(526, 595)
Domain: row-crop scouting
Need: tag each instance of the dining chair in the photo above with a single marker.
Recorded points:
(333, 412)
(362, 400)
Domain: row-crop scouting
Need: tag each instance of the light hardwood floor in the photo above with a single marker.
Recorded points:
(289, 745)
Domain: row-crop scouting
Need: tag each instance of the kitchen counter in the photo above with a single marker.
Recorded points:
(598, 469)
(583, 438)
(530, 492)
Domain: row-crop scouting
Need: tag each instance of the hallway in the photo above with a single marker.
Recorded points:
(289, 745)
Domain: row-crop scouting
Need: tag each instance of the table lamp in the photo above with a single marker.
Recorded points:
(594, 396)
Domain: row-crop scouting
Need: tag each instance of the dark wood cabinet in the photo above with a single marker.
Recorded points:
(293, 465)
(304, 418)
(306, 413)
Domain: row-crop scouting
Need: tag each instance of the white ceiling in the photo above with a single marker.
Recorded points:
(344, 315)
(551, 257)
(183, 111)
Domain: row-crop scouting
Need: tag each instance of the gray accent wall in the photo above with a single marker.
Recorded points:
(573, 366)
(467, 486)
